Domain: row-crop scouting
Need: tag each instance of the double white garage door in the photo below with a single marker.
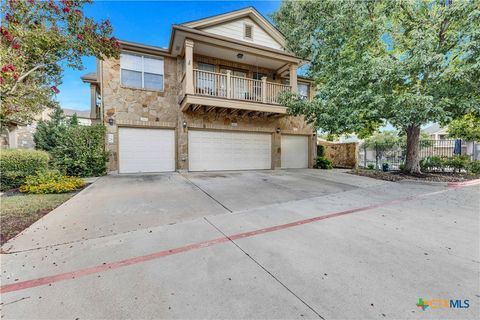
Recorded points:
(153, 150)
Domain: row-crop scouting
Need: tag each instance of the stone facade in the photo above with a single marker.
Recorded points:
(131, 107)
(342, 155)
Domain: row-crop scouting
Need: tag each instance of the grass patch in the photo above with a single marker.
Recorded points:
(21, 210)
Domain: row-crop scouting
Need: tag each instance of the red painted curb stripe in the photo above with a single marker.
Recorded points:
(131, 261)
(465, 183)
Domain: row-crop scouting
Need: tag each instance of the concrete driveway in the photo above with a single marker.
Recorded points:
(266, 244)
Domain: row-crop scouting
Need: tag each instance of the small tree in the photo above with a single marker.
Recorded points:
(407, 63)
(37, 37)
(73, 120)
(466, 128)
(48, 132)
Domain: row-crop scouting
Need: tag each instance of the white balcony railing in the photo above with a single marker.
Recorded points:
(233, 87)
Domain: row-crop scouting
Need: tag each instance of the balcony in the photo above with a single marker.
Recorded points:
(223, 90)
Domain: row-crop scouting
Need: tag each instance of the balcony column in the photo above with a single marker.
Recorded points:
(264, 89)
(229, 84)
(189, 67)
(293, 77)
(93, 101)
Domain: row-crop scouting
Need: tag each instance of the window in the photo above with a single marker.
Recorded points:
(303, 90)
(206, 81)
(138, 71)
(248, 31)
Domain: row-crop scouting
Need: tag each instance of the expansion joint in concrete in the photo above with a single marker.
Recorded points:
(264, 268)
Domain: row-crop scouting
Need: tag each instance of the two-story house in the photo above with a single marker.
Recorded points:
(207, 102)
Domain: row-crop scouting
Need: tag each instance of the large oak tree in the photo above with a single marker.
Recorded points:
(37, 39)
(406, 63)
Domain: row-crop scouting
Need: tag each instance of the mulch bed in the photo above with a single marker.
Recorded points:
(398, 175)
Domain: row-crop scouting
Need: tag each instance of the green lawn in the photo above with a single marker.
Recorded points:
(20, 211)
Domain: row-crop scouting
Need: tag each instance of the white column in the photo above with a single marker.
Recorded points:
(264, 89)
(229, 84)
(189, 67)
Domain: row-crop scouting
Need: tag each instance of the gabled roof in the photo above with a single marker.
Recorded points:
(435, 128)
(85, 114)
(249, 12)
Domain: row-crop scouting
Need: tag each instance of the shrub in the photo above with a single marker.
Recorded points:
(16, 164)
(320, 151)
(323, 163)
(474, 167)
(51, 181)
(457, 162)
(434, 163)
(371, 166)
(81, 151)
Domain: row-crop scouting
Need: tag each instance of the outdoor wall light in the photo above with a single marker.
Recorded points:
(184, 124)
(110, 121)
(240, 55)
(278, 130)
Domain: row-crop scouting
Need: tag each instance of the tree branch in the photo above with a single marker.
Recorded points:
(20, 79)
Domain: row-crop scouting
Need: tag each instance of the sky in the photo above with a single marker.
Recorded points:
(147, 22)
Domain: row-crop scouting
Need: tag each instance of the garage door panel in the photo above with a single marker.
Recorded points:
(218, 150)
(146, 150)
(294, 151)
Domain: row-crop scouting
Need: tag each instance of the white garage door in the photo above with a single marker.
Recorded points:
(294, 151)
(146, 150)
(219, 150)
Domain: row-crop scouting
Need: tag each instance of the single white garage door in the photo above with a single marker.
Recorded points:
(219, 150)
(294, 151)
(146, 150)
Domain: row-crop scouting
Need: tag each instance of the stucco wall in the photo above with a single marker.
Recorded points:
(143, 108)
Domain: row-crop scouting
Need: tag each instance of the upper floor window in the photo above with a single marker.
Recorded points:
(303, 90)
(139, 71)
(248, 31)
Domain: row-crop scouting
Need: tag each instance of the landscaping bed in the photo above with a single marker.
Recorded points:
(399, 175)
(20, 210)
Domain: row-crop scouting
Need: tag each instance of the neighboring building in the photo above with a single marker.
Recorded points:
(18, 135)
(83, 116)
(207, 102)
(436, 132)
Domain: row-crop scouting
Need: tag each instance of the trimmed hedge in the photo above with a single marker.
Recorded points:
(17, 164)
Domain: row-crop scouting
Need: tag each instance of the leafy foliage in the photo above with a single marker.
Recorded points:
(80, 151)
(51, 181)
(37, 38)
(466, 128)
(323, 163)
(402, 62)
(389, 139)
(16, 164)
(49, 131)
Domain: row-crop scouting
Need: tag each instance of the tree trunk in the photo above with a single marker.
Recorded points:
(412, 163)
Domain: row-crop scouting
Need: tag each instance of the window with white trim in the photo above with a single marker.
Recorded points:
(143, 72)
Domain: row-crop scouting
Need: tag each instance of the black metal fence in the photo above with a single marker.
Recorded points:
(392, 156)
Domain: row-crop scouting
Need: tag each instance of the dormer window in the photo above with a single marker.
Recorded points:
(248, 31)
